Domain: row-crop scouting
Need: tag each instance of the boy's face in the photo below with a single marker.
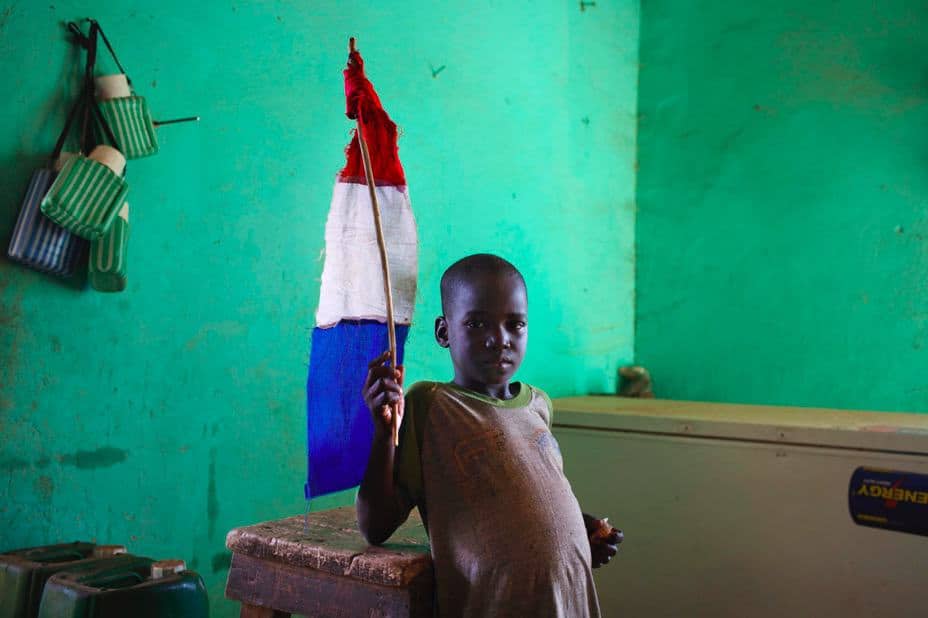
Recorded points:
(486, 331)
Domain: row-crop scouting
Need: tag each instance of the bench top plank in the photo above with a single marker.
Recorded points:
(332, 543)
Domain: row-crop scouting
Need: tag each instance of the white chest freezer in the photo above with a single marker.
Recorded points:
(738, 510)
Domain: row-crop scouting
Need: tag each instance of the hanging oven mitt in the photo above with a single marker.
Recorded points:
(126, 112)
(89, 191)
(107, 267)
(38, 242)
(128, 115)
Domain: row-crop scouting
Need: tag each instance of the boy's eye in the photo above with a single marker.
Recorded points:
(474, 324)
(518, 325)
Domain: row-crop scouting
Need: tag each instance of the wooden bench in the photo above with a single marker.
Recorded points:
(321, 566)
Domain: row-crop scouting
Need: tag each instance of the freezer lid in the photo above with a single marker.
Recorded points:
(877, 431)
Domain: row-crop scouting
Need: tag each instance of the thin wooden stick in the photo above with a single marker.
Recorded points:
(385, 265)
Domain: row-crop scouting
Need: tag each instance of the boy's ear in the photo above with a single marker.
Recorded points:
(441, 331)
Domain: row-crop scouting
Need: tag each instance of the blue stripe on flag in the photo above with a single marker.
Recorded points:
(339, 428)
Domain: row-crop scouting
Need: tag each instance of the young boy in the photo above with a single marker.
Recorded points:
(478, 459)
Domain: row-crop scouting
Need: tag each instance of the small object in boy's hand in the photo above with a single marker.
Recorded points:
(604, 531)
(604, 541)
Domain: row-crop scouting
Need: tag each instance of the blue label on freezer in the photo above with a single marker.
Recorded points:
(889, 499)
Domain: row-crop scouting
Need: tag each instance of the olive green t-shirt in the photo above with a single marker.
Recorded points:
(506, 531)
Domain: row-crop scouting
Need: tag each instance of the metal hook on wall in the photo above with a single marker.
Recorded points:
(158, 123)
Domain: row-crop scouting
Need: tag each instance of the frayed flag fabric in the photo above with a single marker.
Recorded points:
(351, 320)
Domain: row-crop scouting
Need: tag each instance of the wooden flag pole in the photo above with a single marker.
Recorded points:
(385, 265)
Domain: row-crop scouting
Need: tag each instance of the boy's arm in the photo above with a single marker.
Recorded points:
(380, 507)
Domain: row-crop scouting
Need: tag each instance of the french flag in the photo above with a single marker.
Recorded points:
(351, 321)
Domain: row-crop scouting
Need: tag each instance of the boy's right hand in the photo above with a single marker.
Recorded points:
(382, 390)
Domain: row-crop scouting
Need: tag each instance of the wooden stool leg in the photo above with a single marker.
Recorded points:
(254, 611)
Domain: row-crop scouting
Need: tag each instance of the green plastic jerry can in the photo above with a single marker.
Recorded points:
(135, 587)
(23, 572)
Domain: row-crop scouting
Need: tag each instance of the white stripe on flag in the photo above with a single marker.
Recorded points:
(352, 279)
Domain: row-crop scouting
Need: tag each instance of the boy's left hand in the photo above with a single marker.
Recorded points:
(604, 539)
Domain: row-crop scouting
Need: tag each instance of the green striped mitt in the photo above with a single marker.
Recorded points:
(107, 269)
(85, 197)
(132, 125)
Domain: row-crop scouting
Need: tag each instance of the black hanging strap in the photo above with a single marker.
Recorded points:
(89, 87)
(87, 101)
(90, 43)
(80, 104)
(79, 36)
(59, 145)
(94, 23)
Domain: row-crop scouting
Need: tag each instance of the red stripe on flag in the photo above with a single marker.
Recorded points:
(363, 104)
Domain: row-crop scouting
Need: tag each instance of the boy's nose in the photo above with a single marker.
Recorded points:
(498, 339)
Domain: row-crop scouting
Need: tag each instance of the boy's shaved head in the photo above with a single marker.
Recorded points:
(469, 269)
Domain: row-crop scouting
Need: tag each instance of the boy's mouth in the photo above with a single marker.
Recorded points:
(500, 362)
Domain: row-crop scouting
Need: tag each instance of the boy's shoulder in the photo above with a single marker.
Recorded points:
(544, 406)
(540, 393)
(422, 386)
(422, 390)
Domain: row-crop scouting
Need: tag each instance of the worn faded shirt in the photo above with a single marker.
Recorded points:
(506, 531)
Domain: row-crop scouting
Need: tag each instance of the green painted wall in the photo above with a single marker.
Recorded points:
(164, 416)
(782, 230)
